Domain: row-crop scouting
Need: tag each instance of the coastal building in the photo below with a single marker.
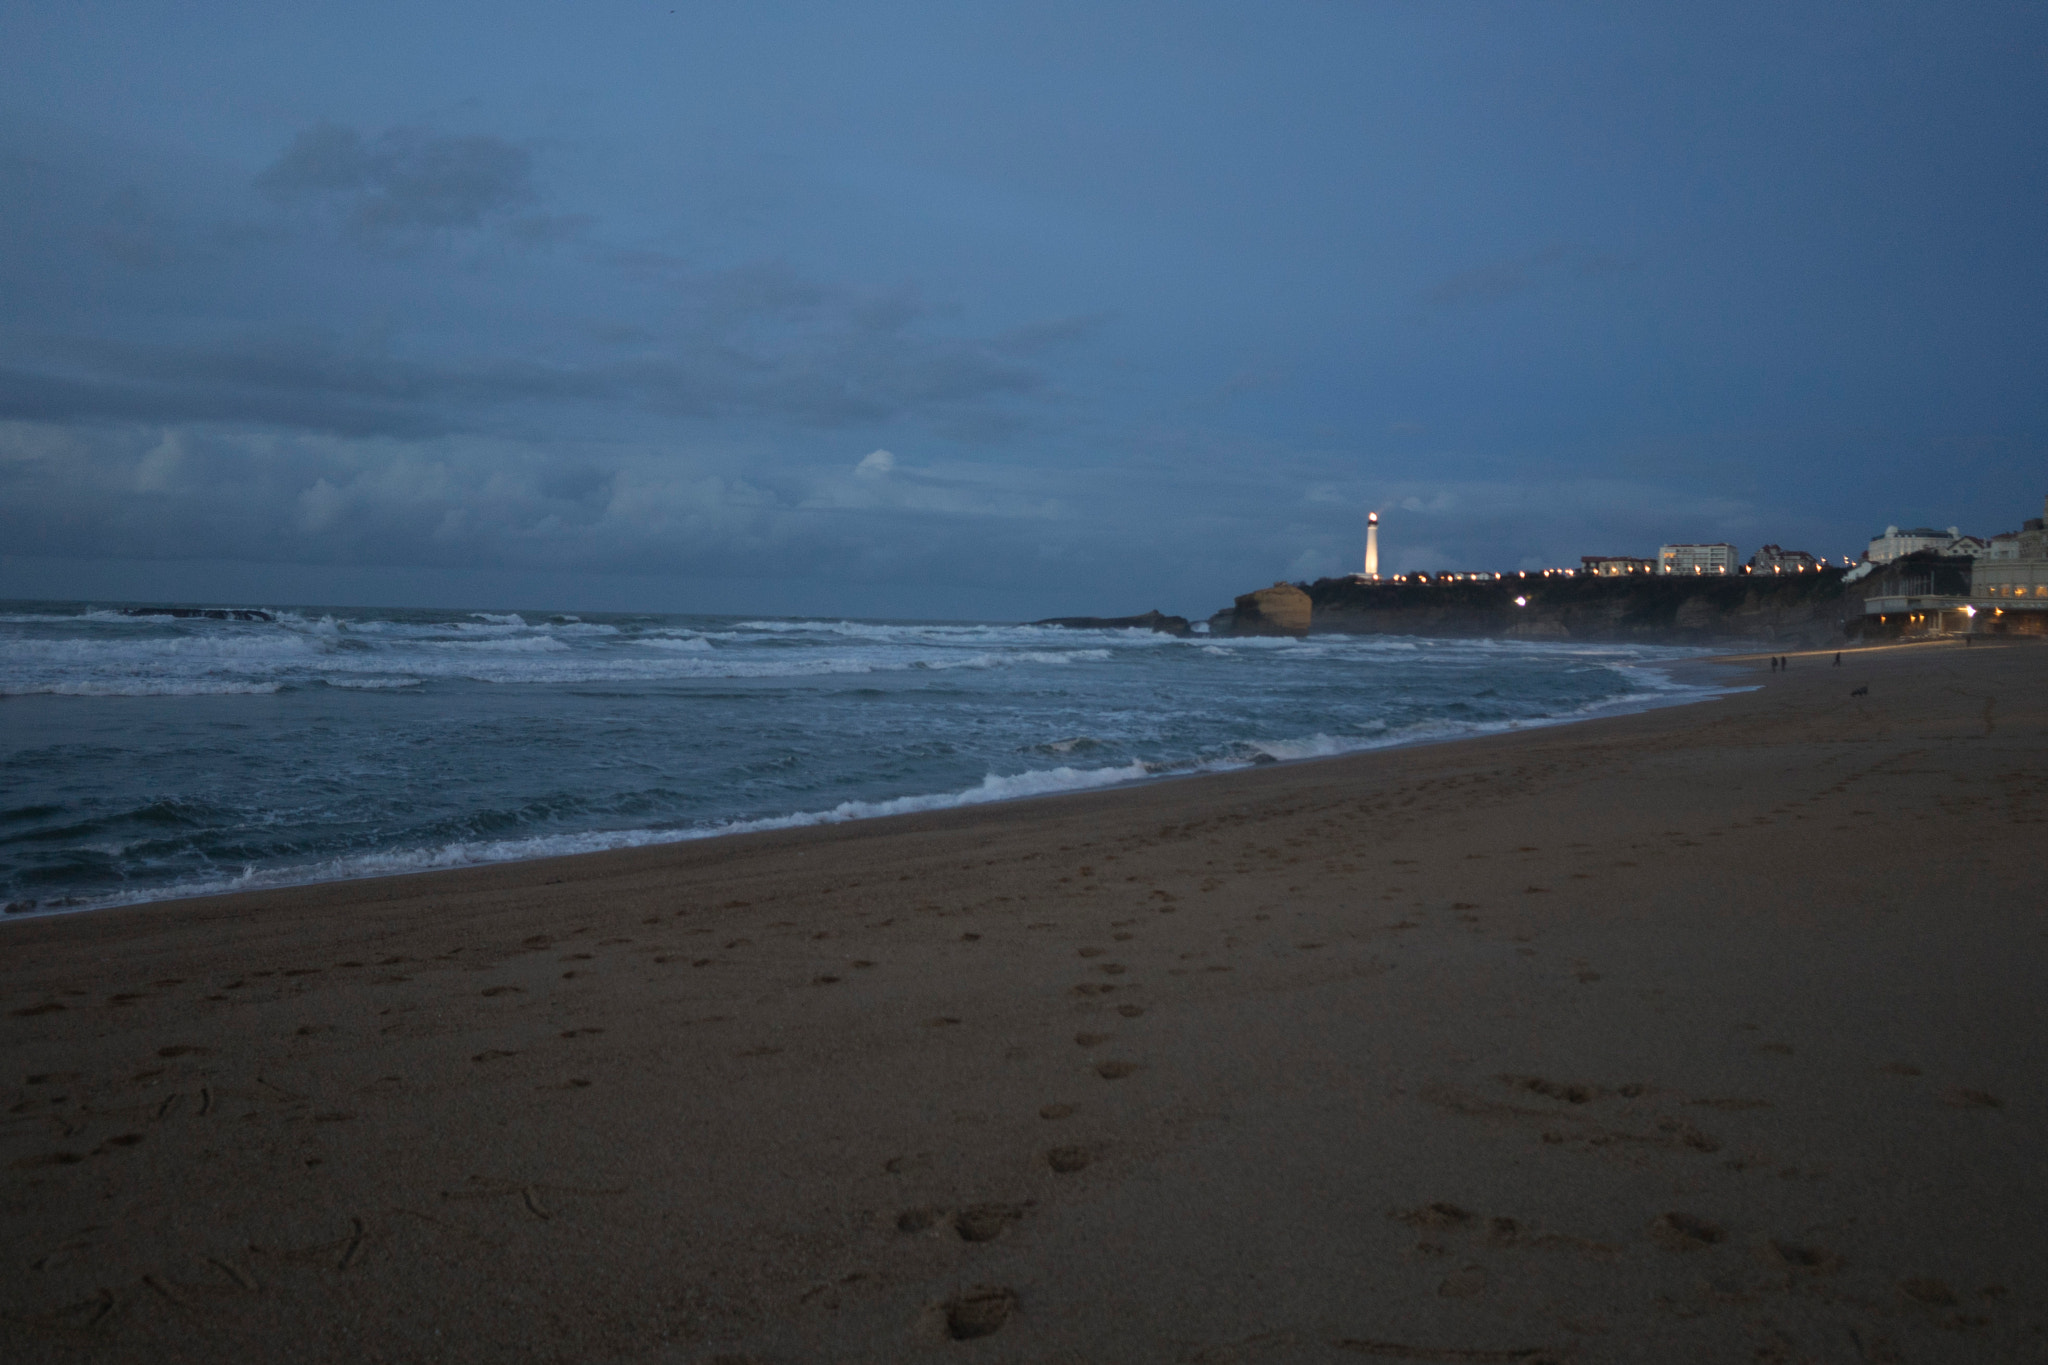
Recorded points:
(1896, 543)
(2009, 584)
(1996, 587)
(1718, 557)
(1615, 566)
(1921, 593)
(2034, 536)
(1372, 545)
(1772, 559)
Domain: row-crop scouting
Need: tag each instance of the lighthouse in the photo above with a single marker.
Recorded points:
(1372, 545)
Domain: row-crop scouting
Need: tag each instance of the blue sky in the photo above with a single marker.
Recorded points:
(612, 305)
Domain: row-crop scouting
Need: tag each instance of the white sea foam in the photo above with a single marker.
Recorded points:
(144, 687)
(994, 787)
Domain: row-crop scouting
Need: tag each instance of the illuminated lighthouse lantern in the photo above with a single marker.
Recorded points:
(1372, 545)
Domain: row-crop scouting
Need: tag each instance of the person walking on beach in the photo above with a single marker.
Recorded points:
(1838, 661)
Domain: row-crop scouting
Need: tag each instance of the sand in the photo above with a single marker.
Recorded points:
(1710, 1033)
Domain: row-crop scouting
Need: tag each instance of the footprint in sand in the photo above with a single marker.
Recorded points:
(1571, 1092)
(1055, 1111)
(1933, 1293)
(1438, 1215)
(985, 1222)
(1115, 1070)
(1961, 1098)
(1130, 1011)
(1067, 1160)
(1090, 1039)
(28, 1163)
(979, 1312)
(1686, 1232)
(1795, 1257)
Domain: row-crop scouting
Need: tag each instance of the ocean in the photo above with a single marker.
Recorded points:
(147, 756)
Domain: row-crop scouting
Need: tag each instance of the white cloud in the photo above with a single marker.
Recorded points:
(876, 464)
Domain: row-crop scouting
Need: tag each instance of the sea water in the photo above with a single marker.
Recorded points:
(150, 756)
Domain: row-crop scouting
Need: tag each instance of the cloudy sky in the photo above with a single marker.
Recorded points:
(991, 310)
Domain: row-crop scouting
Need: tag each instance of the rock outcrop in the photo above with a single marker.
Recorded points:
(1151, 620)
(1282, 609)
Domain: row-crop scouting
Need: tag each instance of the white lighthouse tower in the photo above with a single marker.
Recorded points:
(1372, 545)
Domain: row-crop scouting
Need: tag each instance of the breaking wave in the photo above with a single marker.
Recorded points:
(308, 745)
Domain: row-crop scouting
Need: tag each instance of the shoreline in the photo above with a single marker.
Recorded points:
(1676, 1035)
(896, 807)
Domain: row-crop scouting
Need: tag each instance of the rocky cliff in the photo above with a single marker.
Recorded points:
(1282, 609)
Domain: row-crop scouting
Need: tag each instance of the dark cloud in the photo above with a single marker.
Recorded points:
(761, 344)
(288, 379)
(406, 180)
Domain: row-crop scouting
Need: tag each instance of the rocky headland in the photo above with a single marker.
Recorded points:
(1805, 610)
(1810, 609)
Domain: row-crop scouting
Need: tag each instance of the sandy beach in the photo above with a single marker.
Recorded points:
(1707, 1033)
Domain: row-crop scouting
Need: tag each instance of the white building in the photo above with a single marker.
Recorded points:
(1895, 542)
(1695, 559)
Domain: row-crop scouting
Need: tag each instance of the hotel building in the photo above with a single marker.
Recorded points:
(1696, 559)
(2004, 592)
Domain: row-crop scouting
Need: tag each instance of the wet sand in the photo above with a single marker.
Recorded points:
(1711, 1033)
